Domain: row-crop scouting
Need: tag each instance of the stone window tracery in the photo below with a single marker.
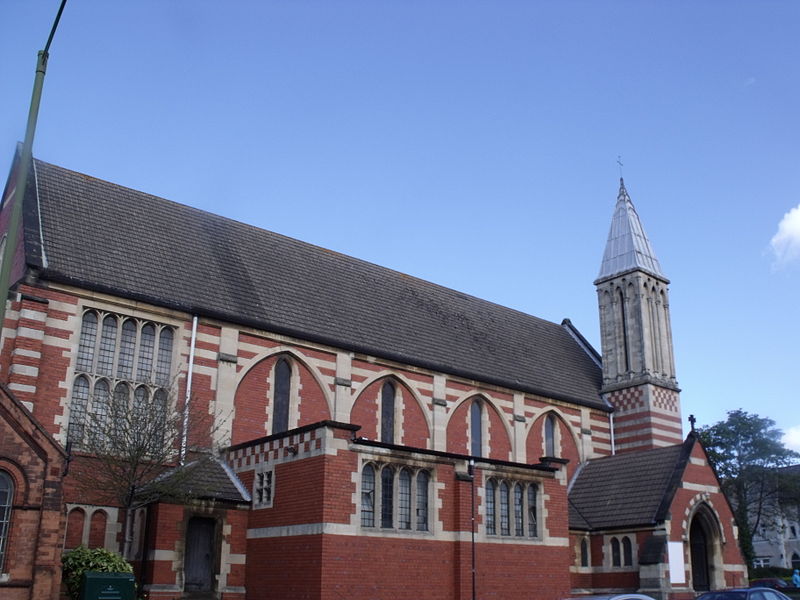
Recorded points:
(510, 503)
(115, 372)
(398, 493)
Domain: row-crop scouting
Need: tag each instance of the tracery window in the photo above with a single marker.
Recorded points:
(6, 500)
(399, 494)
(512, 508)
(123, 366)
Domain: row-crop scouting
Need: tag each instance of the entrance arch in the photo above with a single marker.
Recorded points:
(705, 550)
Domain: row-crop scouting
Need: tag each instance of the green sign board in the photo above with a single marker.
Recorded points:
(108, 586)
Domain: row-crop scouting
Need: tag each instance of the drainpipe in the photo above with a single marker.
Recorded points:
(613, 440)
(185, 429)
(26, 157)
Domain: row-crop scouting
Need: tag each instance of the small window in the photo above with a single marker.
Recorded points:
(616, 560)
(476, 428)
(387, 412)
(795, 560)
(264, 489)
(404, 500)
(6, 501)
(281, 396)
(584, 552)
(533, 499)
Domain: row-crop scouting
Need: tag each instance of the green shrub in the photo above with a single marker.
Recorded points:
(762, 572)
(80, 560)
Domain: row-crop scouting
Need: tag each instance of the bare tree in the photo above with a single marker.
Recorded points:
(129, 451)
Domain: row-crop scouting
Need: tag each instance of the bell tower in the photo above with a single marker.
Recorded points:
(636, 336)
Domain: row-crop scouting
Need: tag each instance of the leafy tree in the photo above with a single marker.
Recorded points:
(747, 453)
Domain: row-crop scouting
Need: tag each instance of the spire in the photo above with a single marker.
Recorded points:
(627, 248)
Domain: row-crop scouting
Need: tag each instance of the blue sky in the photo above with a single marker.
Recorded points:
(473, 144)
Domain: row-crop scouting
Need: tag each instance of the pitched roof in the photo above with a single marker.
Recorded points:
(628, 247)
(97, 235)
(206, 478)
(627, 490)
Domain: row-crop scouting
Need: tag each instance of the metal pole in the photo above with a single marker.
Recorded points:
(12, 236)
(472, 484)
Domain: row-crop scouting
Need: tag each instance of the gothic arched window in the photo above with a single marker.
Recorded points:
(550, 435)
(584, 552)
(627, 552)
(615, 554)
(281, 396)
(476, 428)
(387, 412)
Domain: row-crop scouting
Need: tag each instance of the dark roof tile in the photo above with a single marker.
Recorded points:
(117, 240)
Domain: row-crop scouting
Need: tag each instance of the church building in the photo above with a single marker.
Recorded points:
(370, 435)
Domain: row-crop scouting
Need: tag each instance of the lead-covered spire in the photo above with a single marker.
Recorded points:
(628, 247)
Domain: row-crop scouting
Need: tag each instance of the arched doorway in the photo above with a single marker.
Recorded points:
(705, 550)
(199, 559)
(698, 544)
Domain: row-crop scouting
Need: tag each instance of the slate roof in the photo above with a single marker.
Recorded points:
(208, 478)
(627, 490)
(97, 235)
(628, 246)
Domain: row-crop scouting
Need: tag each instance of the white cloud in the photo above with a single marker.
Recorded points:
(785, 243)
(791, 438)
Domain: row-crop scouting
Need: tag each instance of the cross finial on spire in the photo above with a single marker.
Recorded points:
(692, 421)
(619, 162)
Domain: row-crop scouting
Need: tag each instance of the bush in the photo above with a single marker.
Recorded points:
(763, 572)
(80, 560)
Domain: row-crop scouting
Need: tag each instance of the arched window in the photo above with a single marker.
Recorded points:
(491, 515)
(368, 497)
(6, 501)
(422, 500)
(476, 428)
(584, 552)
(115, 357)
(387, 412)
(97, 529)
(504, 526)
(401, 500)
(281, 396)
(387, 497)
(623, 330)
(519, 530)
(550, 435)
(74, 535)
(404, 500)
(627, 552)
(615, 554)
(533, 499)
